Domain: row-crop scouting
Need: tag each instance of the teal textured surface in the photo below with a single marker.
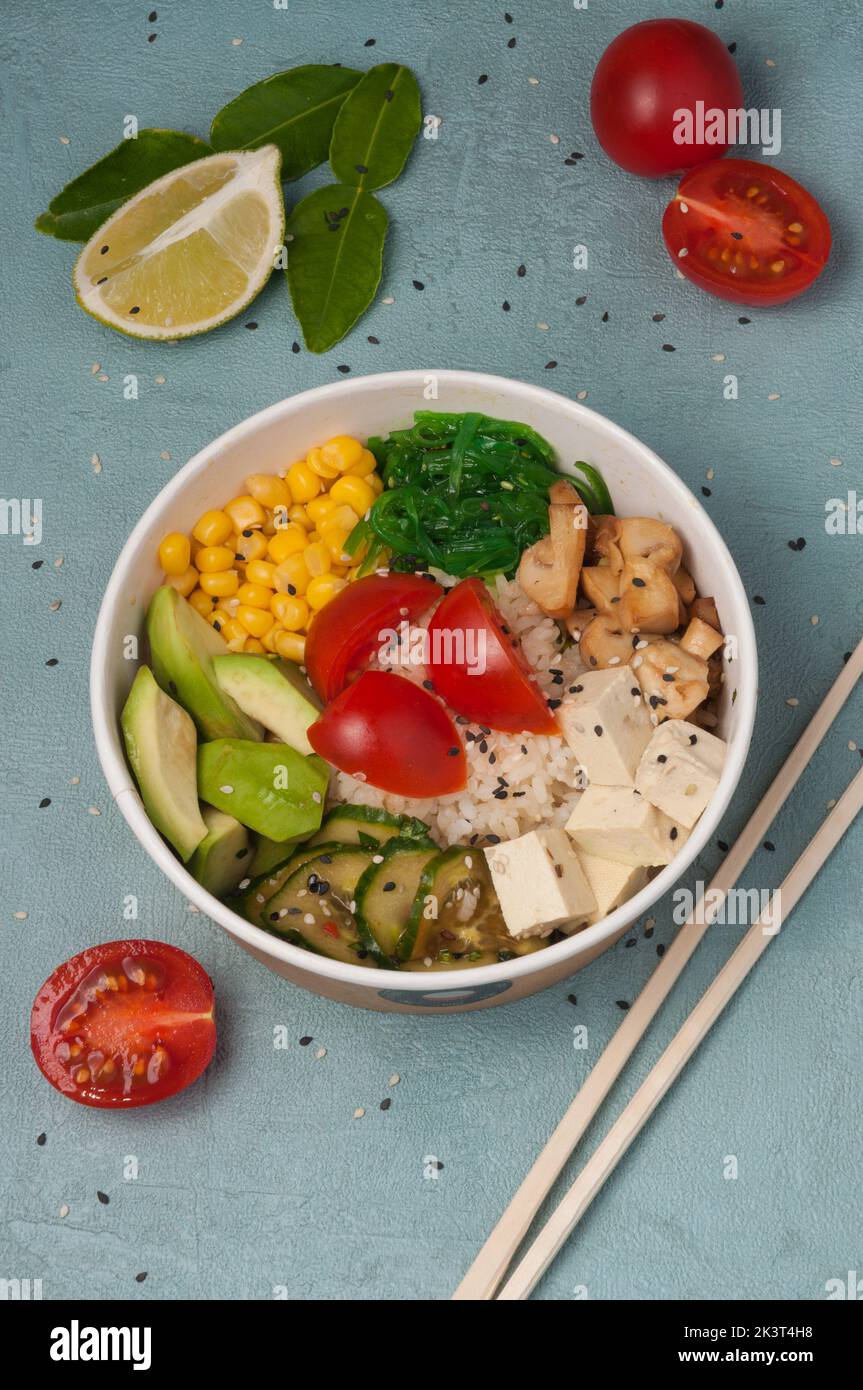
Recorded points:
(259, 1180)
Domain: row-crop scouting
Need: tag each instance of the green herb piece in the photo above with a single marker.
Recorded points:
(335, 254)
(90, 199)
(595, 487)
(376, 127)
(294, 110)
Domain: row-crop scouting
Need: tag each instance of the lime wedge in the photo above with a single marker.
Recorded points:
(189, 251)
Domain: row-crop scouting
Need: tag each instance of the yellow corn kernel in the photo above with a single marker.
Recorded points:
(254, 595)
(210, 559)
(319, 465)
(245, 513)
(317, 559)
(339, 569)
(292, 613)
(300, 517)
(365, 465)
(252, 644)
(335, 540)
(175, 553)
(184, 583)
(201, 602)
(219, 619)
(354, 492)
(291, 646)
(213, 528)
(252, 545)
(261, 572)
(222, 584)
(319, 507)
(343, 517)
(256, 621)
(269, 638)
(292, 576)
(303, 483)
(288, 542)
(232, 631)
(268, 489)
(322, 589)
(342, 452)
(376, 482)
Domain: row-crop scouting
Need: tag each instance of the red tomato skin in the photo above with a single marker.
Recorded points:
(646, 74)
(394, 733)
(346, 631)
(188, 988)
(699, 192)
(504, 696)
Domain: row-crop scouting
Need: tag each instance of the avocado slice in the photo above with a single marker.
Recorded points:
(270, 787)
(182, 648)
(223, 856)
(160, 745)
(270, 854)
(272, 691)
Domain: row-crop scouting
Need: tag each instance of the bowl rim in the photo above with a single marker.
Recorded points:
(125, 793)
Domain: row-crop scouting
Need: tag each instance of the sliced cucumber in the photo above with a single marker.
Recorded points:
(317, 902)
(367, 825)
(253, 899)
(386, 893)
(455, 917)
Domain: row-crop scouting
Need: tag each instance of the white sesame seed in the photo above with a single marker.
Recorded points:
(165, 456)
(636, 662)
(359, 1112)
(58, 562)
(64, 1212)
(684, 251)
(774, 396)
(534, 81)
(226, 789)
(93, 811)
(377, 859)
(581, 395)
(684, 207)
(792, 701)
(20, 916)
(64, 139)
(555, 139)
(835, 463)
(388, 299)
(710, 475)
(321, 1052)
(543, 327)
(54, 605)
(160, 380)
(316, 796)
(103, 377)
(852, 746)
(614, 661)
(639, 646)
(394, 1079)
(96, 367)
(309, 919)
(235, 43)
(815, 620)
(95, 463)
(243, 883)
(718, 357)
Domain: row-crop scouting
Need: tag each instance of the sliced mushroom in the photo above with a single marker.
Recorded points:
(648, 599)
(601, 586)
(705, 609)
(701, 639)
(578, 620)
(685, 585)
(674, 681)
(604, 643)
(638, 538)
(550, 569)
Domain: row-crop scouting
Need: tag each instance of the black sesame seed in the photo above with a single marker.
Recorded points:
(648, 933)
(672, 834)
(634, 690)
(343, 369)
(493, 839)
(511, 43)
(454, 752)
(660, 950)
(666, 677)
(103, 251)
(46, 801)
(605, 317)
(720, 844)
(373, 340)
(304, 1042)
(500, 794)
(550, 364)
(732, 48)
(103, 280)
(738, 236)
(693, 739)
(769, 845)
(139, 1278)
(744, 320)
(630, 942)
(662, 758)
(292, 590)
(597, 729)
(622, 1004)
(483, 746)
(554, 704)
(103, 1198)
(653, 701)
(576, 689)
(389, 887)
(582, 299)
(524, 748)
(508, 20)
(418, 284)
(37, 564)
(483, 77)
(152, 17)
(756, 598)
(638, 583)
(369, 43)
(385, 1104)
(389, 94)
(521, 272)
(241, 853)
(657, 318)
(428, 685)
(251, 325)
(706, 492)
(151, 38)
(361, 168)
(505, 306)
(326, 859)
(572, 999)
(295, 347)
(666, 347)
(136, 309)
(40, 1139)
(558, 869)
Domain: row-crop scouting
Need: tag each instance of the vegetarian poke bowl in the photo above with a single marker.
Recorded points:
(425, 701)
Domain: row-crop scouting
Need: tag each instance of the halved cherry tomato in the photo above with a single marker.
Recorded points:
(393, 735)
(477, 665)
(345, 633)
(746, 232)
(650, 72)
(124, 1024)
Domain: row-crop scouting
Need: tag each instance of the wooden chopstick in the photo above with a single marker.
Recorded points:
(490, 1265)
(642, 1105)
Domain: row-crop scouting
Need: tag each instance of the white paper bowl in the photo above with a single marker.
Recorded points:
(640, 483)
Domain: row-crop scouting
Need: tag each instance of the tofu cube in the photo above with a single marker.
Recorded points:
(619, 823)
(680, 770)
(540, 883)
(607, 725)
(612, 883)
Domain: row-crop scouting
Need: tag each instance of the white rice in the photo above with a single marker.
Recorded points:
(541, 770)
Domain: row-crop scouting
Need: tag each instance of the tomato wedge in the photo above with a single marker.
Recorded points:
(345, 633)
(478, 668)
(746, 232)
(124, 1024)
(393, 735)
